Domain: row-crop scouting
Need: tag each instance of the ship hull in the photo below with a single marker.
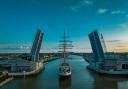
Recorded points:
(64, 76)
(64, 70)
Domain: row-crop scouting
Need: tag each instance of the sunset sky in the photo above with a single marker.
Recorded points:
(19, 20)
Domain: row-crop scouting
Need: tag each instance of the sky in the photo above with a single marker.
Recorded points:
(19, 20)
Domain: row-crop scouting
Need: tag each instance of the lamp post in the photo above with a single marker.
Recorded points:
(24, 74)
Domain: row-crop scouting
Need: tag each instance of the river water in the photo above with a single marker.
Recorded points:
(81, 78)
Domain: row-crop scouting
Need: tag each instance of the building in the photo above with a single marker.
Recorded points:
(18, 65)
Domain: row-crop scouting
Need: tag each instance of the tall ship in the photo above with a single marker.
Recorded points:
(29, 64)
(65, 68)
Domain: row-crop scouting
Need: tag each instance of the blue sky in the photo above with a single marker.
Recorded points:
(19, 20)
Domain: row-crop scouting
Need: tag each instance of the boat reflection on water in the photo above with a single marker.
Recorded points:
(65, 83)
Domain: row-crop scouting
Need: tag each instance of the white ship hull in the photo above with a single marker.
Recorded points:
(64, 70)
(65, 74)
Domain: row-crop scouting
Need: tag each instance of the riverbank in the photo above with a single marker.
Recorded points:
(50, 59)
(109, 73)
(6, 81)
(5, 78)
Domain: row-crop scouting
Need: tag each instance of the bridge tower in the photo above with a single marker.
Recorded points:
(36, 45)
(98, 46)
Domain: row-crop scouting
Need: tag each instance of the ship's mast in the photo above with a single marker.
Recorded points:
(64, 46)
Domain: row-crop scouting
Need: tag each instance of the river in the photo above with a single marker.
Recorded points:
(81, 78)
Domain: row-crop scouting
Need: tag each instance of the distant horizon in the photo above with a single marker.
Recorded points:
(59, 52)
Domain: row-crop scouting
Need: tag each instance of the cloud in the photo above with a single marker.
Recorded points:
(16, 48)
(127, 16)
(117, 12)
(75, 8)
(113, 41)
(117, 45)
(88, 2)
(12, 48)
(81, 4)
(124, 26)
(102, 11)
(121, 48)
(114, 12)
